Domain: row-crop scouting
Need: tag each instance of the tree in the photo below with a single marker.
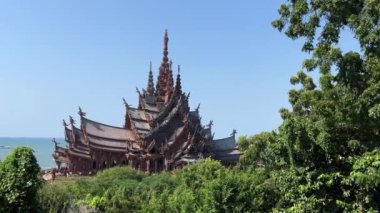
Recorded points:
(19, 181)
(332, 127)
(325, 155)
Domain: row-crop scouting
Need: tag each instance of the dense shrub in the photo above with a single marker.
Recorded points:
(203, 187)
(19, 181)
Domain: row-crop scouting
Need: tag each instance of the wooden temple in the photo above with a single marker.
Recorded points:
(160, 134)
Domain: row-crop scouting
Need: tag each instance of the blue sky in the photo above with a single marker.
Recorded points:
(58, 55)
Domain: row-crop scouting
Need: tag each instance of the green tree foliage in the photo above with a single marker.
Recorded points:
(56, 197)
(210, 187)
(113, 190)
(19, 181)
(330, 137)
(203, 187)
(120, 189)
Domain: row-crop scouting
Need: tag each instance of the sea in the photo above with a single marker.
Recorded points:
(43, 148)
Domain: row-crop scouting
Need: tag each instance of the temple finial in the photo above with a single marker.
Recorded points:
(125, 103)
(72, 122)
(164, 87)
(64, 123)
(178, 86)
(81, 113)
(210, 124)
(150, 86)
(234, 132)
(166, 46)
(138, 92)
(55, 142)
(170, 76)
(198, 107)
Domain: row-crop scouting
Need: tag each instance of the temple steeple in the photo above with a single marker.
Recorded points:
(178, 87)
(150, 86)
(149, 95)
(164, 88)
(170, 76)
(166, 47)
(170, 83)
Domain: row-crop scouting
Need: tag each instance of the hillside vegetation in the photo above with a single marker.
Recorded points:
(204, 187)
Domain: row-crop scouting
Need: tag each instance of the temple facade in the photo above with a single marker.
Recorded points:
(160, 134)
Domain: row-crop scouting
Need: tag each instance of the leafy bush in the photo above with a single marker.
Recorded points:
(19, 181)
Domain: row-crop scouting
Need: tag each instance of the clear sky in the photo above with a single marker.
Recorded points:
(58, 55)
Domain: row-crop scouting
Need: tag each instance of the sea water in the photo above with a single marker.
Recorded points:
(43, 148)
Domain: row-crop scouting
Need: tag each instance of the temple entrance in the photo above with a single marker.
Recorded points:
(160, 164)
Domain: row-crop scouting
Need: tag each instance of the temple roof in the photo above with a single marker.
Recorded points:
(223, 144)
(106, 131)
(231, 155)
(77, 147)
(228, 152)
(107, 143)
(142, 131)
(225, 149)
(137, 114)
(207, 131)
(68, 133)
(78, 134)
(141, 125)
(59, 155)
(61, 150)
(194, 114)
(176, 133)
(79, 153)
(189, 159)
(150, 107)
(104, 148)
(62, 159)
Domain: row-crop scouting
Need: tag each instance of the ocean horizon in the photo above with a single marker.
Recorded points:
(43, 148)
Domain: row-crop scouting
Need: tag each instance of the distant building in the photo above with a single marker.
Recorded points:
(161, 134)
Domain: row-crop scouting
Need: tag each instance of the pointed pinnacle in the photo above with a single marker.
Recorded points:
(178, 80)
(150, 85)
(71, 120)
(166, 41)
(81, 113)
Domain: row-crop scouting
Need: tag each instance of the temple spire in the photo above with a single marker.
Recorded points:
(170, 75)
(166, 47)
(170, 82)
(178, 87)
(150, 86)
(164, 86)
